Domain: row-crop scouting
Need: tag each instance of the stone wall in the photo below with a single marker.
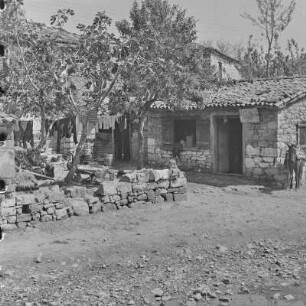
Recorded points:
(261, 144)
(266, 142)
(229, 70)
(7, 173)
(158, 154)
(52, 203)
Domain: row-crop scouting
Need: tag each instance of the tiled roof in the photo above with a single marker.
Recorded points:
(278, 92)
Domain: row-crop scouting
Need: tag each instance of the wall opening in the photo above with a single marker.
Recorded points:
(2, 186)
(229, 145)
(25, 209)
(185, 131)
(2, 5)
(3, 136)
(2, 50)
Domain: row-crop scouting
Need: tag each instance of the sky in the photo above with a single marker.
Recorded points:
(216, 19)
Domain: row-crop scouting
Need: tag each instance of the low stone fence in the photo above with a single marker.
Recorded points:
(53, 203)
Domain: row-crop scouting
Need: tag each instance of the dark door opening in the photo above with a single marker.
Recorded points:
(229, 145)
(122, 142)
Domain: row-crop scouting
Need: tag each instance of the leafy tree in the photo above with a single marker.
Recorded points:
(273, 18)
(34, 53)
(288, 62)
(164, 63)
(91, 74)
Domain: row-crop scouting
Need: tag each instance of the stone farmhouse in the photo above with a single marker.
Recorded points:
(224, 67)
(243, 128)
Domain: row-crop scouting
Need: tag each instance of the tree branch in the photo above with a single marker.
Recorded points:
(109, 89)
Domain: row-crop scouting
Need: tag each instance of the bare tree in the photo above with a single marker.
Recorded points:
(273, 18)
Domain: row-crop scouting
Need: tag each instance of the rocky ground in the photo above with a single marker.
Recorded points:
(232, 243)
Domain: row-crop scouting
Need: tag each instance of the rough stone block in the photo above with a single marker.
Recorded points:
(152, 185)
(142, 197)
(124, 202)
(61, 213)
(281, 177)
(36, 207)
(163, 184)
(61, 205)
(138, 203)
(76, 192)
(151, 196)
(269, 152)
(252, 151)
(8, 211)
(159, 199)
(129, 177)
(8, 202)
(161, 191)
(169, 197)
(257, 171)
(109, 207)
(130, 199)
(272, 171)
(35, 217)
(91, 200)
(139, 187)
(56, 197)
(162, 174)
(107, 188)
(95, 208)
(25, 198)
(179, 182)
(249, 163)
(144, 176)
(8, 227)
(24, 218)
(115, 198)
(39, 197)
(80, 207)
(47, 205)
(46, 218)
(11, 219)
(54, 188)
(50, 210)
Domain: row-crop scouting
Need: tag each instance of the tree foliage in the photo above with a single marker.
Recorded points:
(290, 61)
(34, 52)
(273, 18)
(164, 63)
(91, 74)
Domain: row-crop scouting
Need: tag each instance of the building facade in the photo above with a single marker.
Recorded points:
(244, 129)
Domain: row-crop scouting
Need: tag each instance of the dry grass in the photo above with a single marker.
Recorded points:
(25, 180)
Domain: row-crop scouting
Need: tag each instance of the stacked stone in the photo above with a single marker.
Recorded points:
(52, 204)
(8, 209)
(45, 204)
(155, 186)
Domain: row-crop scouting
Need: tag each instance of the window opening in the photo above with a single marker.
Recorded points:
(185, 132)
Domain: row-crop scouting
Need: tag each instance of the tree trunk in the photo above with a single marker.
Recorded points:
(78, 153)
(43, 141)
(268, 60)
(140, 160)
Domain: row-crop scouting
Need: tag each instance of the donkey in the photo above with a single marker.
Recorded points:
(294, 162)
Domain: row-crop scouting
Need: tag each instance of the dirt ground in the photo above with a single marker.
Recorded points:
(232, 236)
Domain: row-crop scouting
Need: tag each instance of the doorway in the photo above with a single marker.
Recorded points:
(229, 145)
